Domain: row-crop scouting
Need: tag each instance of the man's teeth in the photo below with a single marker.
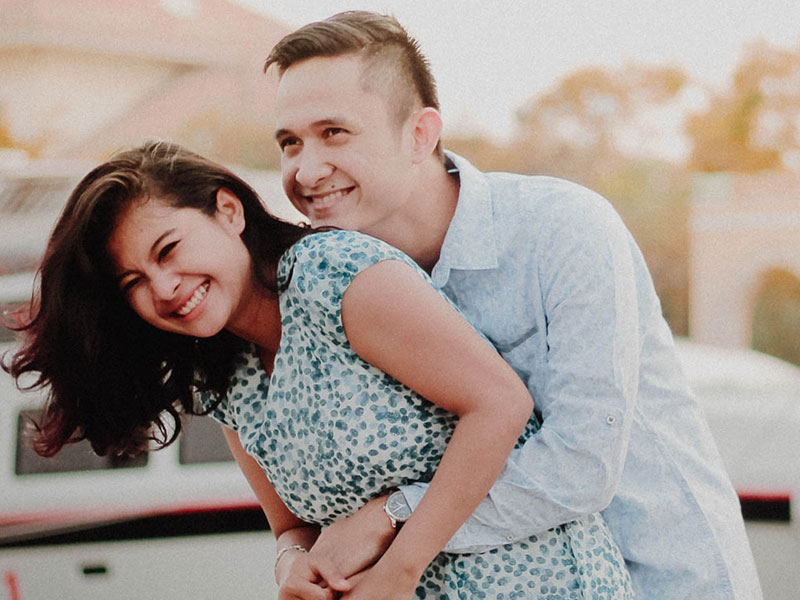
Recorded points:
(328, 199)
(198, 295)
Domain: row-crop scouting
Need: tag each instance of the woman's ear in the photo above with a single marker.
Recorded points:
(427, 129)
(230, 210)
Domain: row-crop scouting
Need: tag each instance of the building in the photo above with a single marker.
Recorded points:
(83, 78)
(742, 228)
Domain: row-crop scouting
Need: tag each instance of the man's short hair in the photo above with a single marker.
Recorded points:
(393, 62)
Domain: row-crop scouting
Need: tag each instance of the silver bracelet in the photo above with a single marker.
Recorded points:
(283, 551)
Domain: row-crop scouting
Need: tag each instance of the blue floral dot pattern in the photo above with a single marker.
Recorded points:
(332, 432)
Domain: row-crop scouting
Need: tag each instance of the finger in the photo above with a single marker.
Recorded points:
(304, 590)
(354, 580)
(326, 570)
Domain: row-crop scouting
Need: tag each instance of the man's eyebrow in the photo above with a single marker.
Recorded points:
(153, 248)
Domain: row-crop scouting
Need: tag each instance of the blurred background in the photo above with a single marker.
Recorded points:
(685, 116)
(687, 119)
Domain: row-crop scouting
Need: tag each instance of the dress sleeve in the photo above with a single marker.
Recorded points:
(319, 270)
(221, 412)
(248, 379)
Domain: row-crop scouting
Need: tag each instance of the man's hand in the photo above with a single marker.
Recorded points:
(353, 544)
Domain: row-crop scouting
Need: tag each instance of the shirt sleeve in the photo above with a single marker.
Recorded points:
(586, 387)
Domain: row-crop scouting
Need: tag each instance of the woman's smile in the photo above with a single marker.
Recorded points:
(196, 298)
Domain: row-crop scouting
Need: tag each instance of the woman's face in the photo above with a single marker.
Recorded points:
(182, 270)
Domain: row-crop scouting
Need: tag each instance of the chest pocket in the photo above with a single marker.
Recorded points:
(525, 352)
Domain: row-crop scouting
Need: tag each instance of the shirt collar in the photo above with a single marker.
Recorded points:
(470, 240)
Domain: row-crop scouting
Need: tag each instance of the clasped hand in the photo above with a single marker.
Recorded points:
(314, 577)
(344, 562)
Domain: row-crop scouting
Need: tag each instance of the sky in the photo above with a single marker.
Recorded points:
(490, 57)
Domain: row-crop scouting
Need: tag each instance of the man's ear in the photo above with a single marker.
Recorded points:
(230, 210)
(426, 131)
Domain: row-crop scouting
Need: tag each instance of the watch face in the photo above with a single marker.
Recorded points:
(397, 505)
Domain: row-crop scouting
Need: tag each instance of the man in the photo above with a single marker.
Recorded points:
(548, 272)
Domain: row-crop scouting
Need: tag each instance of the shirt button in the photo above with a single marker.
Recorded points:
(611, 419)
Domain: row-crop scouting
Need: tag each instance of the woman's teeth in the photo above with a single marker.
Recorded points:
(196, 298)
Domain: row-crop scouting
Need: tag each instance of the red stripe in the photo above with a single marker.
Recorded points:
(13, 585)
(765, 496)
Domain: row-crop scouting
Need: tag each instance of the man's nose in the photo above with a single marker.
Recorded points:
(312, 168)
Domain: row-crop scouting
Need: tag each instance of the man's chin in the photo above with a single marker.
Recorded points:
(330, 219)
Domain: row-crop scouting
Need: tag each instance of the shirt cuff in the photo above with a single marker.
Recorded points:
(472, 537)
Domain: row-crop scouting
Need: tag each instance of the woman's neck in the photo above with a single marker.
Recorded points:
(258, 321)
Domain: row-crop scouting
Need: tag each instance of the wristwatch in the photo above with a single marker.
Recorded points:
(397, 508)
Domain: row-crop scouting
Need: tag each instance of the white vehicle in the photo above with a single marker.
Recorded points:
(752, 402)
(176, 523)
(182, 522)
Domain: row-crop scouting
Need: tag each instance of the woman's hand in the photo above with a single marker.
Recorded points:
(301, 578)
(356, 542)
(381, 582)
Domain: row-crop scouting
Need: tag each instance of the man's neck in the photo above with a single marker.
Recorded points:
(421, 228)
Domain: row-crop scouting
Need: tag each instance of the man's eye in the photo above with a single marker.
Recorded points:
(332, 131)
(164, 252)
(286, 142)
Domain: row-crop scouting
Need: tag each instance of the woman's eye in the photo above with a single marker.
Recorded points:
(164, 252)
(129, 284)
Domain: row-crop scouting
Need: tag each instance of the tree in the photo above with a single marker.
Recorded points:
(585, 125)
(756, 124)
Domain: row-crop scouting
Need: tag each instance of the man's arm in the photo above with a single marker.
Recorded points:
(585, 385)
(586, 389)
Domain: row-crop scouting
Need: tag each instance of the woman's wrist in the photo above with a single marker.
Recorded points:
(404, 560)
(281, 555)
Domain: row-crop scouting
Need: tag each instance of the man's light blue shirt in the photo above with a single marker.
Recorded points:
(548, 272)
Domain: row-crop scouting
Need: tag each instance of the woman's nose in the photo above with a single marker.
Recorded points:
(165, 284)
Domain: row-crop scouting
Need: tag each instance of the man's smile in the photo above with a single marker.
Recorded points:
(328, 199)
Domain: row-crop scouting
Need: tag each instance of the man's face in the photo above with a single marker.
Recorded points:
(345, 162)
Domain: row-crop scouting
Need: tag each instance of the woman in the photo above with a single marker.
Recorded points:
(337, 369)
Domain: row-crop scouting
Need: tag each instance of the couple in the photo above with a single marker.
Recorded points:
(346, 326)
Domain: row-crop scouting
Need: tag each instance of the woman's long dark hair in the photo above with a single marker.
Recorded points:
(112, 378)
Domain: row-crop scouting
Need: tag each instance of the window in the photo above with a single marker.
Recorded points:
(73, 457)
(6, 316)
(202, 441)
